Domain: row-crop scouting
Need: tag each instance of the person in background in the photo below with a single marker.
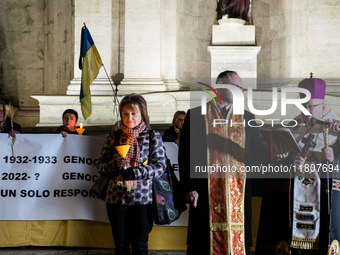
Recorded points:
(70, 119)
(5, 122)
(173, 133)
(129, 194)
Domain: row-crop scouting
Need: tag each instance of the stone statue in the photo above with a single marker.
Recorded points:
(234, 8)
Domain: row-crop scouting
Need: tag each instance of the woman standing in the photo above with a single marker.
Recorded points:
(173, 133)
(129, 195)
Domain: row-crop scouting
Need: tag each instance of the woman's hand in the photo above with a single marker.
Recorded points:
(128, 183)
(13, 133)
(177, 142)
(121, 162)
(63, 134)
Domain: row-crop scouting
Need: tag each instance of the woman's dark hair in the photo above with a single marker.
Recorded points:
(176, 115)
(70, 111)
(136, 100)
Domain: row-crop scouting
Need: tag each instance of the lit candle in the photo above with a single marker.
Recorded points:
(81, 125)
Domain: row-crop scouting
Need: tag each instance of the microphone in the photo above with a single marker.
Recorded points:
(314, 121)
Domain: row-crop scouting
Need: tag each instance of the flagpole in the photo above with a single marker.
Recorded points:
(325, 132)
(115, 91)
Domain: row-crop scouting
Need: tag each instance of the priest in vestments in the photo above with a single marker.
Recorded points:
(220, 211)
(310, 216)
(307, 231)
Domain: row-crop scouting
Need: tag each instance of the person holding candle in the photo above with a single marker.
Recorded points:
(129, 194)
(6, 125)
(70, 119)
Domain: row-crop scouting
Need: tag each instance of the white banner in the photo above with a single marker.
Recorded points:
(49, 177)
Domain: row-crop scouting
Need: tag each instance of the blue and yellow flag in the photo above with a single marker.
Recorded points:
(89, 62)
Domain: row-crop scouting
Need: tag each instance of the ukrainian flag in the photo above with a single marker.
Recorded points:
(90, 62)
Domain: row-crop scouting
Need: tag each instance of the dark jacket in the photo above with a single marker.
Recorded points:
(62, 128)
(154, 153)
(170, 135)
(8, 127)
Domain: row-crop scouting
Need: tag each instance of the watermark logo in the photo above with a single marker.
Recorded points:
(238, 103)
(213, 98)
(238, 99)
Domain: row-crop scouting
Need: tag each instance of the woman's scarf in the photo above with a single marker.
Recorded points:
(178, 131)
(129, 137)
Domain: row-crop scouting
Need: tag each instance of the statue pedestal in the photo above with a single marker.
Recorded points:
(233, 49)
(233, 32)
(241, 59)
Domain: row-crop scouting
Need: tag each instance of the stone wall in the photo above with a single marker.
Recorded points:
(194, 28)
(22, 51)
(297, 37)
(324, 38)
(36, 38)
(180, 31)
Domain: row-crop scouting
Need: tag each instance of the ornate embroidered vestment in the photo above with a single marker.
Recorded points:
(226, 185)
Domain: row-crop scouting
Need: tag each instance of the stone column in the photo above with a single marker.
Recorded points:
(97, 15)
(58, 40)
(142, 58)
(169, 38)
